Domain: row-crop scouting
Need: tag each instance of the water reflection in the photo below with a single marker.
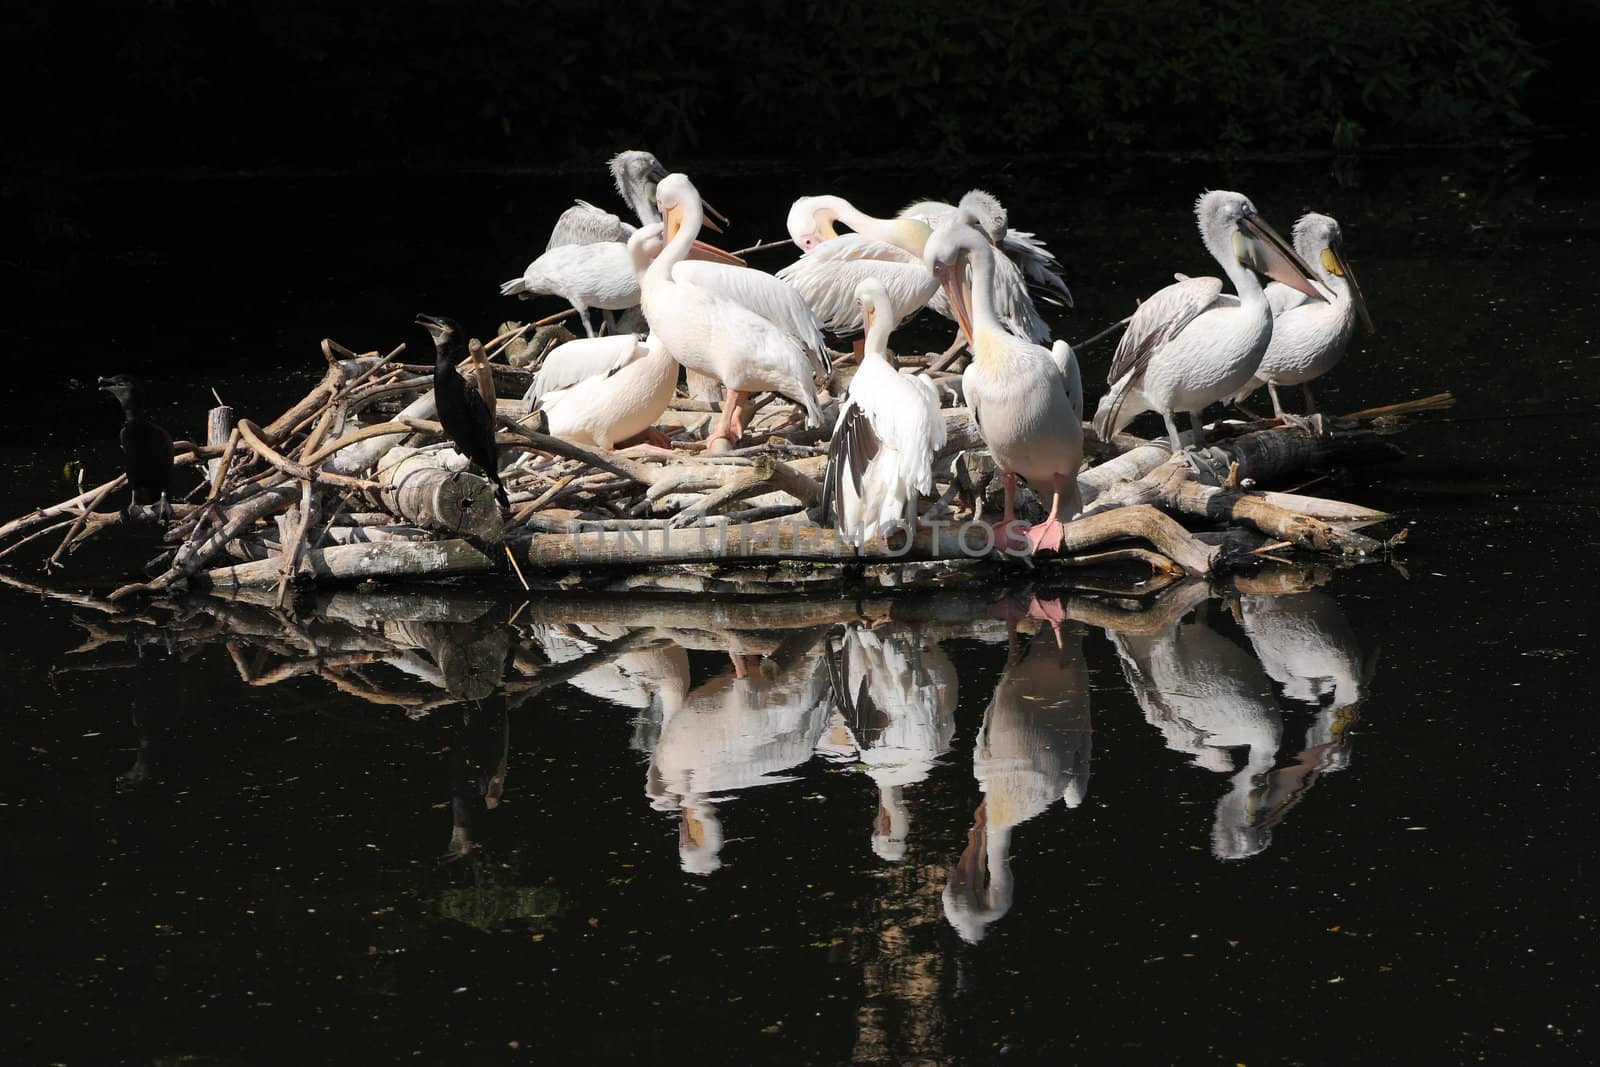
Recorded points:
(895, 716)
(1032, 749)
(743, 728)
(1216, 703)
(1259, 685)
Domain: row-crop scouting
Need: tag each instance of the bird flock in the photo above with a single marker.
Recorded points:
(685, 302)
(668, 299)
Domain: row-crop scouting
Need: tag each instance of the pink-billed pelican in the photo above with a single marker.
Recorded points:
(881, 455)
(1190, 344)
(1309, 337)
(1015, 389)
(707, 321)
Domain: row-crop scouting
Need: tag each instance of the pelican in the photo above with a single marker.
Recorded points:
(711, 323)
(1190, 344)
(891, 250)
(1036, 269)
(603, 390)
(1309, 336)
(586, 261)
(1016, 390)
(889, 430)
(635, 174)
(834, 265)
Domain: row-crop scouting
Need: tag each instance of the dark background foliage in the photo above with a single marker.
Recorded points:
(307, 84)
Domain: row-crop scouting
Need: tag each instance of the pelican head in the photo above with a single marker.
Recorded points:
(873, 299)
(1232, 228)
(1318, 240)
(811, 220)
(638, 176)
(645, 244)
(948, 252)
(988, 211)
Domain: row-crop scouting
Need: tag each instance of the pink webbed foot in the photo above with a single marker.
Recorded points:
(1009, 533)
(1049, 611)
(1047, 535)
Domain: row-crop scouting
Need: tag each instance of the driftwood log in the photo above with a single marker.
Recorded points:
(333, 489)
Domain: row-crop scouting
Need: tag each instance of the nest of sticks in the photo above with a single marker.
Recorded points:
(357, 482)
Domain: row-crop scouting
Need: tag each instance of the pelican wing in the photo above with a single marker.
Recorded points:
(828, 275)
(1066, 362)
(770, 297)
(852, 447)
(1160, 319)
(585, 224)
(1283, 298)
(1039, 267)
(577, 361)
(930, 212)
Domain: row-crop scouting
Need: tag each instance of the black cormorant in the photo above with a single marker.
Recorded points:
(465, 418)
(146, 446)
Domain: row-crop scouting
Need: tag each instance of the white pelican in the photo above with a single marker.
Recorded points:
(1016, 390)
(889, 250)
(1027, 266)
(605, 390)
(598, 275)
(1190, 344)
(1034, 747)
(881, 455)
(896, 718)
(1309, 336)
(892, 251)
(707, 321)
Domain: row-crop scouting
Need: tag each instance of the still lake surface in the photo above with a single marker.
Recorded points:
(1349, 824)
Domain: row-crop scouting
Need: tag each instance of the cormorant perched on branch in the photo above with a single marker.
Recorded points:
(465, 418)
(147, 447)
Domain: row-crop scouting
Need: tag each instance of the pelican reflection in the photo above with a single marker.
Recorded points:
(895, 704)
(1034, 746)
(742, 728)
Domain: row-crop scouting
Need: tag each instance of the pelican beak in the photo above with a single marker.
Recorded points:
(867, 313)
(1334, 263)
(671, 221)
(953, 278)
(1267, 253)
(701, 250)
(714, 217)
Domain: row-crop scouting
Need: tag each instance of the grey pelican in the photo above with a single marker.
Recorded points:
(1190, 345)
(1309, 337)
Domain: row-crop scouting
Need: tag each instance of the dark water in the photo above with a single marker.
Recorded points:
(1346, 824)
